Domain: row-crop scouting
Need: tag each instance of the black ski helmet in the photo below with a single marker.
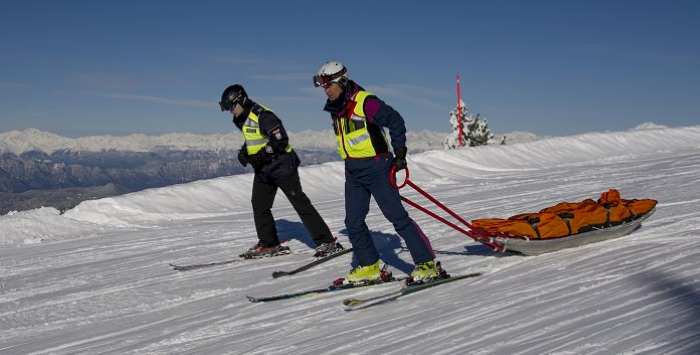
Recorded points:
(234, 94)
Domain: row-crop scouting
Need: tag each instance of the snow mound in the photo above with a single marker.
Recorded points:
(41, 224)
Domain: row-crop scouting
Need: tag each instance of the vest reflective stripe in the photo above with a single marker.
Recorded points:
(359, 139)
(254, 138)
(256, 142)
(352, 135)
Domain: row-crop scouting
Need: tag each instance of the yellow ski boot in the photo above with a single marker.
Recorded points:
(361, 275)
(426, 272)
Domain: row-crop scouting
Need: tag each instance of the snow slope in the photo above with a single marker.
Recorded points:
(96, 280)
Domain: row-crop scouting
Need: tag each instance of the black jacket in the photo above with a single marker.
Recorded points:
(272, 160)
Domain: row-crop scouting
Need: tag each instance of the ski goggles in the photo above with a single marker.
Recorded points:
(227, 105)
(325, 81)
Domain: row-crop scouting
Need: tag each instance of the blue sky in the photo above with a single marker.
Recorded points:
(549, 67)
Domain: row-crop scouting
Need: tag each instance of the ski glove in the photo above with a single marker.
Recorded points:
(400, 158)
(259, 159)
(243, 156)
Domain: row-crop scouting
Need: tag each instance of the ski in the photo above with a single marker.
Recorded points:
(309, 265)
(199, 266)
(224, 262)
(352, 304)
(336, 286)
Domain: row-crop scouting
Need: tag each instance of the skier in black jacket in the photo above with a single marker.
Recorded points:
(267, 150)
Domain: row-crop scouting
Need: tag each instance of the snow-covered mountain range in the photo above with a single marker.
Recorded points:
(96, 279)
(26, 140)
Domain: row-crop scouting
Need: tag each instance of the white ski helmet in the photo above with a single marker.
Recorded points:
(331, 72)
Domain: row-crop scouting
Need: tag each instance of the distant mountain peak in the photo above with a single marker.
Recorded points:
(647, 126)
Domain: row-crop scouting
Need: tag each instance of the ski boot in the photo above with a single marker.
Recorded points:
(364, 275)
(326, 249)
(260, 251)
(426, 272)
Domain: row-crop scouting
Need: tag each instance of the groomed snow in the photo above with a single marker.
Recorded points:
(96, 279)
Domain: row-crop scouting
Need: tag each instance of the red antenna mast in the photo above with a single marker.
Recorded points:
(459, 111)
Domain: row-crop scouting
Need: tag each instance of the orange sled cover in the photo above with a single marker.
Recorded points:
(568, 218)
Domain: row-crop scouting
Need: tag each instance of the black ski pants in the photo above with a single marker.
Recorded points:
(264, 191)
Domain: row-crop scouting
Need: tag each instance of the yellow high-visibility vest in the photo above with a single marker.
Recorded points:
(255, 139)
(351, 132)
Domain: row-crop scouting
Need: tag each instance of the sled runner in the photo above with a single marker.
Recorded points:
(539, 246)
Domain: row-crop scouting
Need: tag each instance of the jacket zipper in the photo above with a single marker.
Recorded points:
(342, 137)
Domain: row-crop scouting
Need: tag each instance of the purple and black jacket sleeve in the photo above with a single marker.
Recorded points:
(383, 115)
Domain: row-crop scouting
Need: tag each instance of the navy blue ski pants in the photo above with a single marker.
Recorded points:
(370, 177)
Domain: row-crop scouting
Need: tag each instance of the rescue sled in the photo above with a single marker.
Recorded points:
(564, 225)
(568, 224)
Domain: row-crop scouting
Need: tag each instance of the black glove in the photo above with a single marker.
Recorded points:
(400, 158)
(243, 156)
(259, 159)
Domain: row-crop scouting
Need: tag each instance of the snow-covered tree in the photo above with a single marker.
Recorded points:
(475, 129)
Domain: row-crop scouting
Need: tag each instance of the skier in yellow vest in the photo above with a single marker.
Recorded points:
(358, 118)
(267, 150)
